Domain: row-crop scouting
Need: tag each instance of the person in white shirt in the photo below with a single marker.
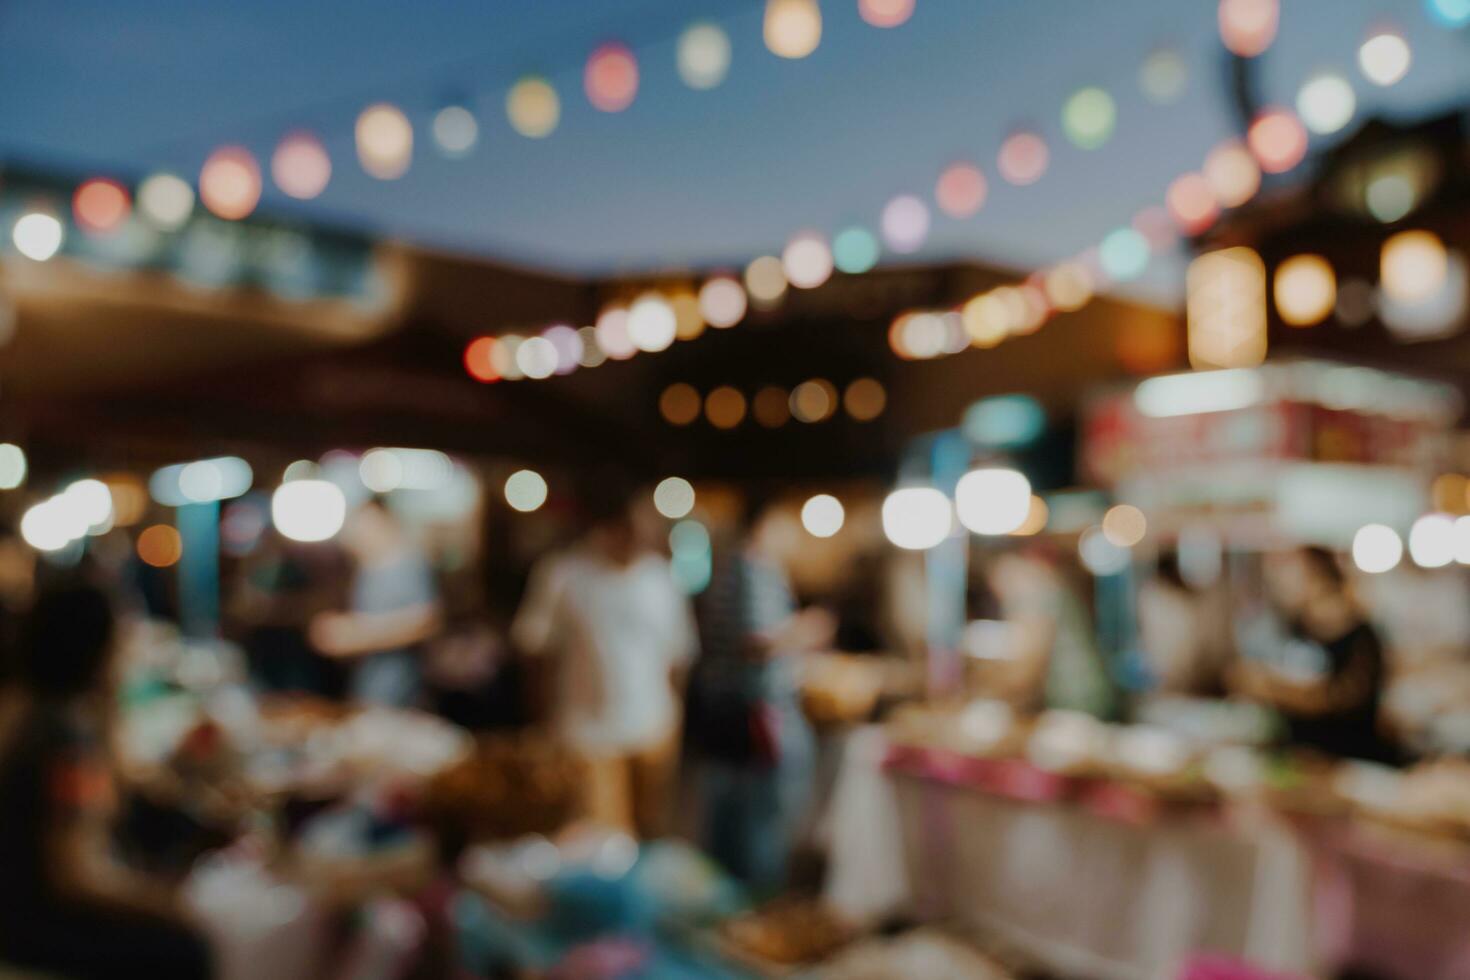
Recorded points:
(617, 631)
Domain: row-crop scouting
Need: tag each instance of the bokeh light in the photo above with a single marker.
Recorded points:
(612, 333)
(537, 358)
(792, 28)
(12, 466)
(1413, 265)
(1232, 173)
(1247, 27)
(1088, 117)
(1305, 290)
(703, 55)
(688, 318)
(611, 77)
(1449, 13)
(1164, 76)
(1036, 517)
(1377, 548)
(1153, 222)
(1278, 140)
(1099, 555)
(807, 260)
(822, 515)
(525, 491)
(1124, 254)
(1389, 197)
(673, 497)
(992, 500)
(455, 131)
(1023, 158)
(1326, 102)
(308, 510)
(533, 107)
(917, 518)
(384, 141)
(1192, 203)
(592, 353)
(813, 401)
(160, 546)
(166, 200)
(765, 281)
(1385, 57)
(1124, 525)
(229, 183)
(679, 404)
(961, 190)
(905, 224)
(37, 235)
(1432, 541)
(722, 301)
(886, 13)
(865, 399)
(100, 206)
(300, 166)
(724, 407)
(771, 407)
(1069, 286)
(568, 343)
(855, 250)
(651, 323)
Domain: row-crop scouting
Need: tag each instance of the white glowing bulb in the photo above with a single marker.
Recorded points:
(917, 518)
(1432, 541)
(166, 201)
(1377, 548)
(1385, 58)
(525, 490)
(652, 323)
(673, 497)
(37, 235)
(993, 501)
(308, 510)
(822, 515)
(703, 56)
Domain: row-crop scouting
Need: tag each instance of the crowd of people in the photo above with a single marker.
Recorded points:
(686, 711)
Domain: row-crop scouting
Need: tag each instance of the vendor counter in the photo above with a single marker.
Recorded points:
(1092, 877)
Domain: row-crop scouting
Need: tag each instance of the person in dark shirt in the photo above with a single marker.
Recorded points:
(1327, 680)
(66, 905)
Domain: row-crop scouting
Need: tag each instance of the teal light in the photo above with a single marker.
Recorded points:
(1004, 422)
(1449, 13)
(1124, 254)
(855, 250)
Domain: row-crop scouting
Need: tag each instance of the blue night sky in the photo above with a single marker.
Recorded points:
(683, 178)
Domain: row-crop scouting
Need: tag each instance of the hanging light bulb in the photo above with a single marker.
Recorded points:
(793, 28)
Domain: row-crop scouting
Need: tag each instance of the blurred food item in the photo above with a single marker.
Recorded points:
(508, 787)
(926, 953)
(786, 932)
(1432, 797)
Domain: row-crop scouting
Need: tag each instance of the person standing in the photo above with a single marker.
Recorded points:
(67, 905)
(753, 749)
(614, 631)
(393, 610)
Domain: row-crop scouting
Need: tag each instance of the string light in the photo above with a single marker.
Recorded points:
(1232, 174)
(613, 335)
(455, 131)
(905, 223)
(1163, 76)
(1278, 140)
(961, 190)
(1023, 158)
(37, 235)
(865, 399)
(703, 55)
(1124, 254)
(651, 323)
(771, 407)
(300, 166)
(1247, 27)
(1191, 201)
(479, 359)
(679, 404)
(813, 401)
(724, 407)
(1385, 57)
(807, 260)
(1088, 117)
(765, 281)
(384, 141)
(886, 13)
(166, 201)
(229, 183)
(1326, 103)
(1124, 525)
(1413, 265)
(100, 206)
(793, 28)
(855, 250)
(611, 77)
(722, 301)
(533, 107)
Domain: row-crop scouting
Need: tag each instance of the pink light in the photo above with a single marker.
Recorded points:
(611, 79)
